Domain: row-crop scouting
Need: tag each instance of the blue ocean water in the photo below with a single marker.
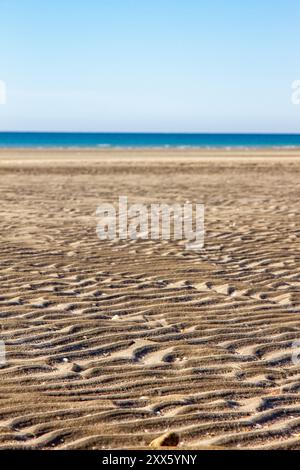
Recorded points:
(149, 140)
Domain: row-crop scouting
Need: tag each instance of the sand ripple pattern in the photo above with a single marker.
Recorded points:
(111, 344)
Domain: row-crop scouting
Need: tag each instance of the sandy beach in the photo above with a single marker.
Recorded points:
(111, 344)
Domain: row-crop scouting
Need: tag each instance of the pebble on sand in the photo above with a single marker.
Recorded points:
(169, 439)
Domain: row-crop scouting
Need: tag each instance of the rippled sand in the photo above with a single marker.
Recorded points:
(109, 345)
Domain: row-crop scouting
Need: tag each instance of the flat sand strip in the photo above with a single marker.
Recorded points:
(109, 345)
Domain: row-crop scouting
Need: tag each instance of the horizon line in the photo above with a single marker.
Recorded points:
(147, 132)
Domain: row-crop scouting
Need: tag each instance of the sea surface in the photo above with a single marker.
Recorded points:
(149, 140)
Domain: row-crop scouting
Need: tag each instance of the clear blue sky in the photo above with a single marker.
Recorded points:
(150, 65)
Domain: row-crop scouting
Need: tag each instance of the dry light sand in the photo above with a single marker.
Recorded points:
(109, 345)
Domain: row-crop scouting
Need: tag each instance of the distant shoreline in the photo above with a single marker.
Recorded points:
(139, 154)
(163, 149)
(150, 148)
